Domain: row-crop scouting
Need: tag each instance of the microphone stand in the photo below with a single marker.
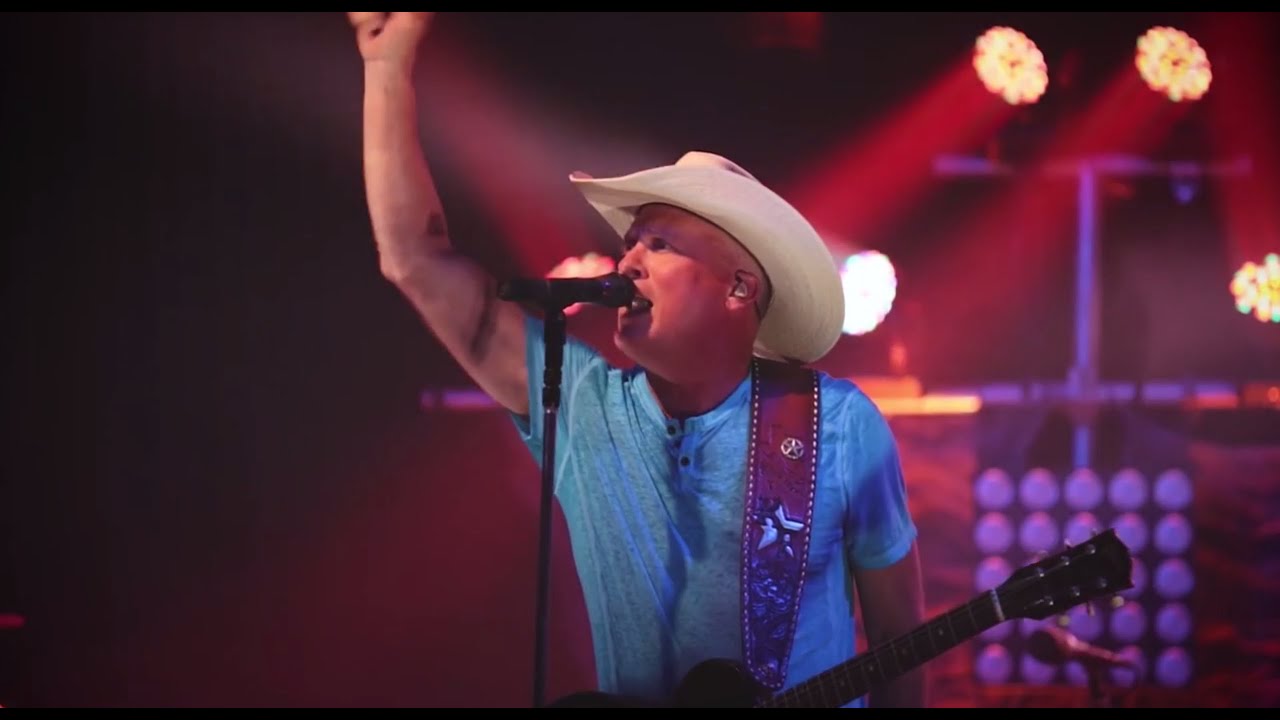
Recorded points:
(1104, 694)
(1098, 697)
(612, 290)
(554, 341)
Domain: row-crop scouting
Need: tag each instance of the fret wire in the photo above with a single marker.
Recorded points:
(926, 636)
(837, 697)
(893, 654)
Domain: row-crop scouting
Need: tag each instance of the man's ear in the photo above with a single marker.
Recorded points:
(745, 289)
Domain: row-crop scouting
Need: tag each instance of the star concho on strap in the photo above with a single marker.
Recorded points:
(781, 479)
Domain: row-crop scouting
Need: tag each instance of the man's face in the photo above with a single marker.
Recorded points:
(685, 270)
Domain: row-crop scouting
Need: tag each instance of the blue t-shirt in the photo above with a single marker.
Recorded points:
(654, 508)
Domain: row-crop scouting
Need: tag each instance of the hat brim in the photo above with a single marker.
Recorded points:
(806, 312)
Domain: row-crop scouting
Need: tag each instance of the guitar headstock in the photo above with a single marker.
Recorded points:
(1096, 568)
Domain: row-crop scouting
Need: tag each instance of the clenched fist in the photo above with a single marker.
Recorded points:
(389, 36)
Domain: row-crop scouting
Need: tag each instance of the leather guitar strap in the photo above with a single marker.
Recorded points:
(781, 477)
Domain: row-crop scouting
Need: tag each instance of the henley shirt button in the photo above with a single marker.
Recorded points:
(684, 461)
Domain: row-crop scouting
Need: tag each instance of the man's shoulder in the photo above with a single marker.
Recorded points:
(843, 395)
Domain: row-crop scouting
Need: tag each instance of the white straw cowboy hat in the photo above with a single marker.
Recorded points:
(805, 315)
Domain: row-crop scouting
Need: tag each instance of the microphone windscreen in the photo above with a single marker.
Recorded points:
(1043, 646)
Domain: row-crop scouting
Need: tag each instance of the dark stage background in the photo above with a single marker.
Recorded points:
(218, 486)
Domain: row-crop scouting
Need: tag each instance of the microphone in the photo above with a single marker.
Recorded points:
(1054, 646)
(610, 290)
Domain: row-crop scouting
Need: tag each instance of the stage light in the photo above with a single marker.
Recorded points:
(1010, 65)
(870, 287)
(993, 489)
(1256, 289)
(994, 665)
(1083, 489)
(1153, 627)
(1173, 63)
(1020, 519)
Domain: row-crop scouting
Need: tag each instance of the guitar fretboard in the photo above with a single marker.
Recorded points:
(850, 680)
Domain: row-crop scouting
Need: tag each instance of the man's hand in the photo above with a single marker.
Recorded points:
(391, 36)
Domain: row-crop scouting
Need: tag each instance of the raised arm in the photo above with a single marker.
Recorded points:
(456, 298)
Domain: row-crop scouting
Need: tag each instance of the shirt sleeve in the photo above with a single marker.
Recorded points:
(880, 528)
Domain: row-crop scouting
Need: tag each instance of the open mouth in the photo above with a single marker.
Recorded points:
(639, 304)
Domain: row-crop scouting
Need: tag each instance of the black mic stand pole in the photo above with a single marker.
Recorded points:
(1098, 697)
(554, 340)
(613, 290)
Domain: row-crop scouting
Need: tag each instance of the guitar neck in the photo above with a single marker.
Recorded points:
(850, 680)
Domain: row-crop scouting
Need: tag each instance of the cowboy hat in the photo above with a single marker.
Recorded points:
(804, 318)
